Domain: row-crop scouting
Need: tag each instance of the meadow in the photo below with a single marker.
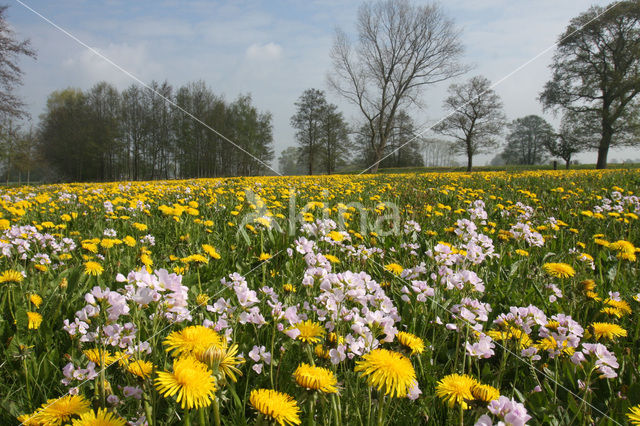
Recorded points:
(433, 298)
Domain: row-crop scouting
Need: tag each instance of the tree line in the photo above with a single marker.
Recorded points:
(103, 134)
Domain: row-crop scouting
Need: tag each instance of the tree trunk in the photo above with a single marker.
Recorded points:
(469, 162)
(567, 164)
(603, 149)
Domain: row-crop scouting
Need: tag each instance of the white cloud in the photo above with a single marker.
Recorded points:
(86, 66)
(264, 52)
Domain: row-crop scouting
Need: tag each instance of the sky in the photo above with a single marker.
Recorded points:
(276, 49)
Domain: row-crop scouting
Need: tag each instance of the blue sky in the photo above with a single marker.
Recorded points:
(273, 49)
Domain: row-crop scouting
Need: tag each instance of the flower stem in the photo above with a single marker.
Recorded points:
(381, 411)
(312, 409)
(216, 411)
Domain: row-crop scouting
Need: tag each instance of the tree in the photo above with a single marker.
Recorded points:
(476, 118)
(65, 136)
(402, 135)
(401, 49)
(310, 111)
(438, 153)
(335, 137)
(569, 140)
(289, 162)
(10, 72)
(596, 73)
(527, 140)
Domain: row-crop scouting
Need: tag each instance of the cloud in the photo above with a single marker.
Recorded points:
(86, 66)
(265, 52)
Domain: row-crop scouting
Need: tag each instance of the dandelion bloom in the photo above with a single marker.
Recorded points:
(99, 418)
(394, 268)
(57, 411)
(191, 380)
(388, 371)
(456, 388)
(277, 406)
(410, 341)
(222, 360)
(485, 393)
(559, 270)
(99, 357)
(211, 251)
(607, 330)
(634, 415)
(35, 299)
(264, 256)
(140, 368)
(315, 378)
(310, 331)
(93, 268)
(35, 319)
(193, 339)
(11, 276)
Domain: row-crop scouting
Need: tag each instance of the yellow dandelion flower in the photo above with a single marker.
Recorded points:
(310, 331)
(99, 357)
(129, 240)
(394, 268)
(102, 417)
(614, 312)
(222, 360)
(289, 288)
(11, 276)
(456, 388)
(388, 371)
(202, 299)
(331, 258)
(93, 268)
(35, 319)
(321, 352)
(411, 342)
(190, 380)
(559, 270)
(277, 406)
(588, 285)
(521, 252)
(196, 258)
(621, 305)
(192, 340)
(485, 393)
(211, 251)
(607, 330)
(634, 415)
(335, 236)
(593, 295)
(315, 378)
(140, 368)
(264, 256)
(57, 411)
(140, 226)
(35, 299)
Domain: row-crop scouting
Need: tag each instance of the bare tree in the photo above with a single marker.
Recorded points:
(401, 48)
(476, 120)
(10, 72)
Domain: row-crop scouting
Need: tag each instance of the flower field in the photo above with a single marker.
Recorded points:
(389, 299)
